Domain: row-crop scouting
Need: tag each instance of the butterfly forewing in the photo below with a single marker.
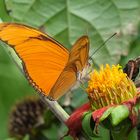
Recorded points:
(44, 58)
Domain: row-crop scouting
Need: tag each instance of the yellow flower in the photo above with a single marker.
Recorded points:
(113, 100)
(109, 86)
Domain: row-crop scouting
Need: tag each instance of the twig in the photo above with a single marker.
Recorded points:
(58, 111)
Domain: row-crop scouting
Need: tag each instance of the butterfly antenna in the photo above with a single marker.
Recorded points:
(102, 45)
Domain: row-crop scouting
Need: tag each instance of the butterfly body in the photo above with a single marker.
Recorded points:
(48, 65)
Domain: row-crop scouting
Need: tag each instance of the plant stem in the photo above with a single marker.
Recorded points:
(58, 111)
(55, 108)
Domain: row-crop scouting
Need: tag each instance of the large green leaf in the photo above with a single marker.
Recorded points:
(66, 20)
(134, 49)
(3, 11)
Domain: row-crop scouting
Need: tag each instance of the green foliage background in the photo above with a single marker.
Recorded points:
(67, 20)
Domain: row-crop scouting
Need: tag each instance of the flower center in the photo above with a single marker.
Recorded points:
(109, 86)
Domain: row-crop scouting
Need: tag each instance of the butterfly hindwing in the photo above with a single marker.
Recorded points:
(76, 63)
(79, 52)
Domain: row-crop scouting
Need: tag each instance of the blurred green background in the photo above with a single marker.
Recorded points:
(66, 21)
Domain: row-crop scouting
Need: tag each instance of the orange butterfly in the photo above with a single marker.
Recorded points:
(48, 65)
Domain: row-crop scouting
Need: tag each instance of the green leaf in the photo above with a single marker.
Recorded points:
(106, 113)
(27, 137)
(133, 49)
(104, 133)
(0, 20)
(74, 18)
(133, 135)
(118, 114)
(11, 139)
(124, 132)
(3, 11)
(86, 124)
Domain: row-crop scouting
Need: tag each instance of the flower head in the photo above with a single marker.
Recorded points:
(110, 86)
(113, 98)
(26, 117)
